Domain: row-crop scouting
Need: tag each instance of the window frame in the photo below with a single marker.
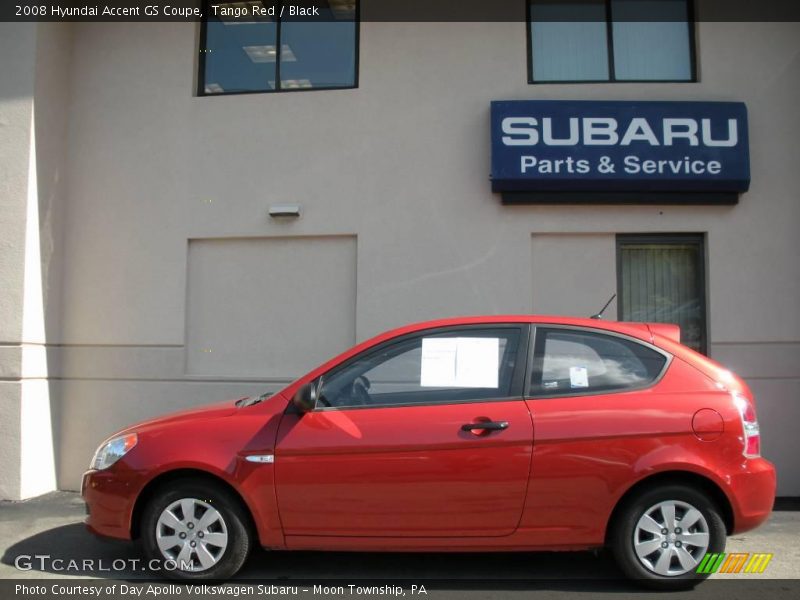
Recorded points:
(536, 360)
(698, 239)
(201, 63)
(690, 22)
(518, 377)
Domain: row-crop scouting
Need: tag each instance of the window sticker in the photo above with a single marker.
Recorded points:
(477, 362)
(578, 377)
(438, 362)
(460, 362)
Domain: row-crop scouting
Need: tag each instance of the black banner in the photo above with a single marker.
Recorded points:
(79, 589)
(366, 10)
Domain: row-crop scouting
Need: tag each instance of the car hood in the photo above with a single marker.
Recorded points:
(217, 410)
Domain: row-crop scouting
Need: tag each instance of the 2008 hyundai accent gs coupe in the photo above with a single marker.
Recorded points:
(466, 434)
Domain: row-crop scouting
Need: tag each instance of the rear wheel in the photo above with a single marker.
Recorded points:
(195, 531)
(661, 536)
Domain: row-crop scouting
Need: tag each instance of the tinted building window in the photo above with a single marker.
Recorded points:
(610, 40)
(570, 362)
(657, 49)
(569, 41)
(662, 280)
(241, 54)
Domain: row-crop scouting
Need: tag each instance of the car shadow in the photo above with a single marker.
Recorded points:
(72, 551)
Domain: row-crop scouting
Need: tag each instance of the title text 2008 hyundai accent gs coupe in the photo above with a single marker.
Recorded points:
(466, 434)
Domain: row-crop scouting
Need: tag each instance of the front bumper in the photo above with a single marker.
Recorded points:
(109, 499)
(753, 491)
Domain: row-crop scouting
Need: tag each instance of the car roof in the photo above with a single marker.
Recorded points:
(637, 330)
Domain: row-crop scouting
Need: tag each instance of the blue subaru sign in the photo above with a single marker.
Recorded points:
(588, 146)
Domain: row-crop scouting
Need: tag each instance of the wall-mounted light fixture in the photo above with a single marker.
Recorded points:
(284, 210)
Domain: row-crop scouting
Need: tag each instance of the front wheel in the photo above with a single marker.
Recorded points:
(661, 536)
(195, 531)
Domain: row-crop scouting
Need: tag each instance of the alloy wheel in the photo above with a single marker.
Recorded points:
(671, 538)
(192, 533)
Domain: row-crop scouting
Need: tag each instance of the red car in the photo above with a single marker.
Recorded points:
(500, 433)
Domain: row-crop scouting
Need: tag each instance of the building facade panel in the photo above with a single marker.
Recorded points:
(400, 164)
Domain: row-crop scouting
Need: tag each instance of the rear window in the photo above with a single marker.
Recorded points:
(572, 362)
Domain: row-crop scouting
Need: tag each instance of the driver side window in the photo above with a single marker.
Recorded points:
(432, 368)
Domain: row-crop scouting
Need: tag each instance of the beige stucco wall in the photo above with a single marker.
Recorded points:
(400, 168)
(15, 118)
(33, 117)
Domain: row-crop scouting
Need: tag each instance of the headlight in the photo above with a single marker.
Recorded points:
(113, 450)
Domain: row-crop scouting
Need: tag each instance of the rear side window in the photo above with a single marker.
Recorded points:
(571, 362)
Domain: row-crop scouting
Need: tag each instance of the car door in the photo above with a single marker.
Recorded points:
(597, 414)
(426, 435)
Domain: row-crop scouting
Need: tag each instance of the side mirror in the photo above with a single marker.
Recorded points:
(305, 399)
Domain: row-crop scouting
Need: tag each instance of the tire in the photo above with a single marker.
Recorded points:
(634, 534)
(218, 528)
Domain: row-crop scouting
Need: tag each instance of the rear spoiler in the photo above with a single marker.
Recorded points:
(667, 330)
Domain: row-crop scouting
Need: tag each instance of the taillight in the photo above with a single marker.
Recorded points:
(752, 436)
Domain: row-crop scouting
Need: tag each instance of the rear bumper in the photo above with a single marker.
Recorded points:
(753, 491)
(109, 503)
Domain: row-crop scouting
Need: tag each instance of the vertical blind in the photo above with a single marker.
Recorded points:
(663, 282)
(651, 40)
(569, 41)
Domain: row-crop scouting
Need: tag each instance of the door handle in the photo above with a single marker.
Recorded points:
(485, 425)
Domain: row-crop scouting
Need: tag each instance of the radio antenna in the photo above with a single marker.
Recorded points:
(602, 310)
